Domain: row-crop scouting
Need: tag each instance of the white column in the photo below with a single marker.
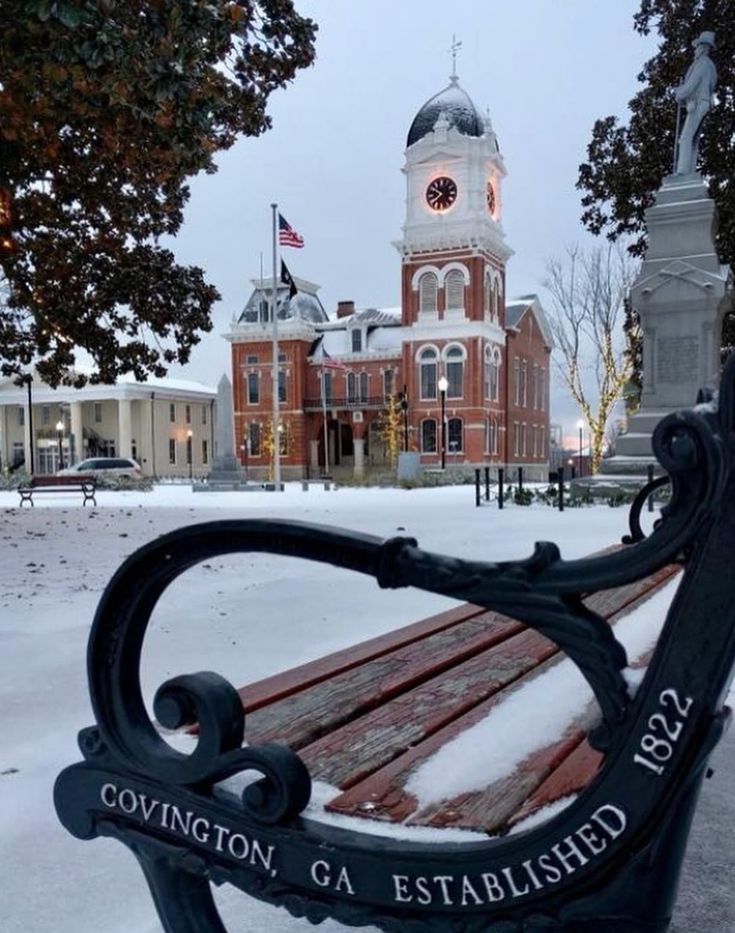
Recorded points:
(314, 454)
(124, 427)
(77, 431)
(358, 445)
(27, 440)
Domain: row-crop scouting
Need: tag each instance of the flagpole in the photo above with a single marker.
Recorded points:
(326, 435)
(275, 379)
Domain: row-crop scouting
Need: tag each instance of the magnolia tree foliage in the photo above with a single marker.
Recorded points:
(627, 161)
(588, 291)
(107, 107)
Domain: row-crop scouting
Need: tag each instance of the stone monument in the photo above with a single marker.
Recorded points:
(683, 291)
(226, 471)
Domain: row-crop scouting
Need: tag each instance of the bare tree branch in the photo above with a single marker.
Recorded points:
(588, 292)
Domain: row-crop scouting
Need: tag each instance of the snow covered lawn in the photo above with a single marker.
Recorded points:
(244, 616)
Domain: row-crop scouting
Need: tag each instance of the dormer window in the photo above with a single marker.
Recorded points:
(356, 341)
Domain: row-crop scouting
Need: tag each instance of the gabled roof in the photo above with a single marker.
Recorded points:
(516, 308)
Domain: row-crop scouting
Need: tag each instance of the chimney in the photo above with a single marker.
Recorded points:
(345, 308)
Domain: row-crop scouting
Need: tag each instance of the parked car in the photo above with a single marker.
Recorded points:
(104, 466)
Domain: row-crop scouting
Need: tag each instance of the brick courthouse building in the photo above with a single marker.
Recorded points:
(454, 322)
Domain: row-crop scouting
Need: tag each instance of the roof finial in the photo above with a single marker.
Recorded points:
(455, 47)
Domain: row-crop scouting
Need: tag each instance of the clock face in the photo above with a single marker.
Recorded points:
(441, 193)
(490, 197)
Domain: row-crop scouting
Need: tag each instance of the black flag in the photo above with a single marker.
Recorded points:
(287, 279)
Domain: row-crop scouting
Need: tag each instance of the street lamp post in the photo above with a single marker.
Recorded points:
(443, 385)
(580, 425)
(189, 435)
(403, 398)
(60, 436)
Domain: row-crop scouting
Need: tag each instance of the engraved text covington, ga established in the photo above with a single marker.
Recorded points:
(530, 876)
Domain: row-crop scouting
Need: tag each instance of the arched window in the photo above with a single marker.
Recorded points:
(454, 357)
(327, 385)
(496, 299)
(363, 387)
(454, 435)
(428, 436)
(427, 372)
(387, 383)
(491, 381)
(428, 286)
(487, 296)
(454, 290)
(351, 387)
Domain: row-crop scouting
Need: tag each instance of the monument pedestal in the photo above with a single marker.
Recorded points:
(681, 295)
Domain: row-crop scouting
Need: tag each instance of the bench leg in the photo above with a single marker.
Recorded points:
(183, 900)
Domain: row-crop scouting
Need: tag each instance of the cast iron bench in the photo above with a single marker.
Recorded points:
(606, 863)
(58, 484)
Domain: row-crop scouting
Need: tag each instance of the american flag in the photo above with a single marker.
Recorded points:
(287, 236)
(326, 362)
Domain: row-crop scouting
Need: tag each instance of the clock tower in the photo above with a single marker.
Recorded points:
(453, 246)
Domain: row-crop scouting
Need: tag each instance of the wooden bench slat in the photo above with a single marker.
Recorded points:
(277, 686)
(349, 754)
(491, 809)
(381, 790)
(571, 776)
(303, 717)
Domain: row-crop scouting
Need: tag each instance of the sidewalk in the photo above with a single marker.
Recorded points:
(706, 901)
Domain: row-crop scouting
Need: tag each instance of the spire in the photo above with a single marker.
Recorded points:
(454, 48)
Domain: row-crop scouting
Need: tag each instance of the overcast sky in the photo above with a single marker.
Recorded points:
(546, 69)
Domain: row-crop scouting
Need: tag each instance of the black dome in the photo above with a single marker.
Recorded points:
(457, 107)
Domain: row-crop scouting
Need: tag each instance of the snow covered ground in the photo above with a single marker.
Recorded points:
(244, 616)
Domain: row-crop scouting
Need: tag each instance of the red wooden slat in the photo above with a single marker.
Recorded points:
(304, 716)
(380, 794)
(298, 678)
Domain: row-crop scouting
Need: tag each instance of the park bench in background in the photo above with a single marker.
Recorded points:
(40, 485)
(363, 719)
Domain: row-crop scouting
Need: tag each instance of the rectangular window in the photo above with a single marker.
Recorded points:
(253, 389)
(327, 386)
(98, 412)
(542, 393)
(172, 450)
(45, 415)
(516, 439)
(542, 442)
(357, 341)
(254, 438)
(387, 383)
(204, 414)
(172, 413)
(205, 451)
(281, 385)
(524, 384)
(523, 439)
(428, 436)
(18, 452)
(534, 387)
(21, 417)
(187, 414)
(517, 381)
(281, 357)
(363, 387)
(454, 435)
(251, 360)
(428, 380)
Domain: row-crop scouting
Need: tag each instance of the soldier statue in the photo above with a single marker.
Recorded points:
(695, 94)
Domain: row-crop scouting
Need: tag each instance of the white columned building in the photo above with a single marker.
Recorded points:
(148, 421)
